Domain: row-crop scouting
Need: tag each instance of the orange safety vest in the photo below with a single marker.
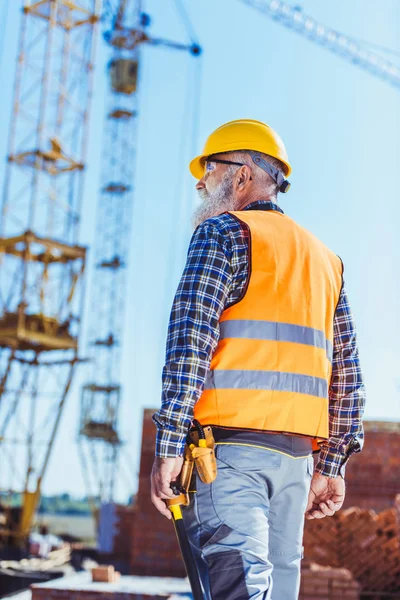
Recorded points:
(272, 366)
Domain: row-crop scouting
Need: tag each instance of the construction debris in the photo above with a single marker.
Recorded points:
(55, 558)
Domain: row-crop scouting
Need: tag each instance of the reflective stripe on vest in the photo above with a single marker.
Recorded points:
(266, 380)
(272, 365)
(280, 332)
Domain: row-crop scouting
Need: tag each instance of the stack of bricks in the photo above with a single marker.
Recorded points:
(366, 543)
(373, 477)
(155, 549)
(327, 583)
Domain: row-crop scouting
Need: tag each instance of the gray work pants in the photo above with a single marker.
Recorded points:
(246, 528)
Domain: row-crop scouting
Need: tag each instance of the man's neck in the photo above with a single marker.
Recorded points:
(255, 198)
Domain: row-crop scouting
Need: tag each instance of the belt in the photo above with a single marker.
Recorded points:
(293, 445)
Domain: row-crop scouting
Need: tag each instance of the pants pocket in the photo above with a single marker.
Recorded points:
(227, 576)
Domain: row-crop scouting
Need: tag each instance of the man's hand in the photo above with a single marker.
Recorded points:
(165, 470)
(326, 496)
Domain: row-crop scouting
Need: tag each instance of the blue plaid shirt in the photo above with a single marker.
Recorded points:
(215, 276)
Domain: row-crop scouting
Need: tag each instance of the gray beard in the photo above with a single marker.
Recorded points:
(216, 202)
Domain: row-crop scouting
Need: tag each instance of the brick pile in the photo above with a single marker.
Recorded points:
(154, 549)
(373, 477)
(366, 543)
(327, 583)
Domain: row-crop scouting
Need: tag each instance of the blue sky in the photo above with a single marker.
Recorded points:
(341, 127)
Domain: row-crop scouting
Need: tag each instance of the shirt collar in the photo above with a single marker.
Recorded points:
(263, 205)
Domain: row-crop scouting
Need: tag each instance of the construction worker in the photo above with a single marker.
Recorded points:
(261, 346)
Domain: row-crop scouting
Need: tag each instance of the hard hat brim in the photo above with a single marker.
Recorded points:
(196, 166)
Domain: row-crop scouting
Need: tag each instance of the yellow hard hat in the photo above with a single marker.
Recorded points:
(243, 134)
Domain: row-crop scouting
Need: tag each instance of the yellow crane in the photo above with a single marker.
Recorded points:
(42, 262)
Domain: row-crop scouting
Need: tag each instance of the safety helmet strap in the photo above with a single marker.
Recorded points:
(276, 174)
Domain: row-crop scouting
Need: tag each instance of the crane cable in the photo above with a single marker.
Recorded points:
(186, 21)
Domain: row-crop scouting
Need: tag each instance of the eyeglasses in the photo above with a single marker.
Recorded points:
(209, 163)
(209, 167)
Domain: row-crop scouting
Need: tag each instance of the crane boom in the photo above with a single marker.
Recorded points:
(352, 51)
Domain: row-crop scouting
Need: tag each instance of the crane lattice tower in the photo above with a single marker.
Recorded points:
(99, 438)
(42, 263)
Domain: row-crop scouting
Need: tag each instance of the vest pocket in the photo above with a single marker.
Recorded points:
(247, 458)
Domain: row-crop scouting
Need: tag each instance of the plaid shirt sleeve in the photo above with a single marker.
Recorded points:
(346, 396)
(193, 334)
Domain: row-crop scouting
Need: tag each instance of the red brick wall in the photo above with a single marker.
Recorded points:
(123, 538)
(373, 477)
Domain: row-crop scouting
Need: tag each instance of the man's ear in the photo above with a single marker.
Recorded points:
(243, 176)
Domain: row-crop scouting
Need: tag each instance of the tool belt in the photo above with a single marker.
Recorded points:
(200, 453)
